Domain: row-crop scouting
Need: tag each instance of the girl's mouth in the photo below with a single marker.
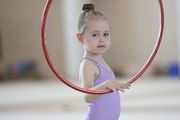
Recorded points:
(101, 46)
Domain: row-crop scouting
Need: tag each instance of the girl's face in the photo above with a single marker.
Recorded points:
(96, 36)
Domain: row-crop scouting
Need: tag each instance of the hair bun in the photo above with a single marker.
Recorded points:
(88, 7)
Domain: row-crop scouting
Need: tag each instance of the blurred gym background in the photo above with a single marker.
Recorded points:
(29, 89)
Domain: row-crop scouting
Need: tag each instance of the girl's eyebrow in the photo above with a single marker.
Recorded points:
(98, 31)
(94, 31)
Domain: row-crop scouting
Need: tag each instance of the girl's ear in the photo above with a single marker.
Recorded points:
(79, 37)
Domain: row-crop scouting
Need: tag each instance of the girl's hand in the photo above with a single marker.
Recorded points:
(117, 86)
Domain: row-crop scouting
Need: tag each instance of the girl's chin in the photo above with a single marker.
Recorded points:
(98, 53)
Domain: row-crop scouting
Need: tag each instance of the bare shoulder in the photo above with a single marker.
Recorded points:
(88, 66)
(87, 73)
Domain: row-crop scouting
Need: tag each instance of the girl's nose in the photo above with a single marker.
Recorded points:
(101, 40)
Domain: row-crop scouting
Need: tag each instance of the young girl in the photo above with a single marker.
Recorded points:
(94, 73)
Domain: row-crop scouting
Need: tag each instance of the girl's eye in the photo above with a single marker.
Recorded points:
(106, 34)
(95, 35)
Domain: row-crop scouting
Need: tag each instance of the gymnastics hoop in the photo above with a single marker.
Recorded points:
(147, 64)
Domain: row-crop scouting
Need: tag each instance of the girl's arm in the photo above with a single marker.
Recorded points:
(88, 73)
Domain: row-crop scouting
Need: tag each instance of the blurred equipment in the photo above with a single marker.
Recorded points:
(19, 70)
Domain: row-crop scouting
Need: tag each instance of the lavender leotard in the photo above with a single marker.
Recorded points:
(107, 107)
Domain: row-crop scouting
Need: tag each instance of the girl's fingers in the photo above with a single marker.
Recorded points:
(121, 90)
(124, 87)
(114, 89)
(119, 87)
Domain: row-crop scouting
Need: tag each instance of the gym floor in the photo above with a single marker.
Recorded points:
(148, 99)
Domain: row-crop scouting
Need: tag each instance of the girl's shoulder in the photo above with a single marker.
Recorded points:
(88, 68)
(88, 64)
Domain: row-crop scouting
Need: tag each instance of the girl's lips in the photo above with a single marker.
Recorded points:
(101, 46)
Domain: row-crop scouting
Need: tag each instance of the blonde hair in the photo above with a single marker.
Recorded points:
(88, 14)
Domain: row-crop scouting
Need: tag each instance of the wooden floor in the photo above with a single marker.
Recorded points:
(148, 99)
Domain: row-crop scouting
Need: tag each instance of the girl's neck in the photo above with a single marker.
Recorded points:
(98, 58)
